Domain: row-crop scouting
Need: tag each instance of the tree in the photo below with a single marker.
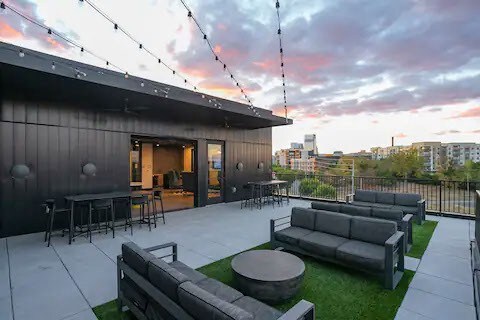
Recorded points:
(407, 163)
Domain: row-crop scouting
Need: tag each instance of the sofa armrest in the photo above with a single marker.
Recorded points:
(394, 240)
(349, 197)
(274, 225)
(421, 211)
(302, 310)
(173, 245)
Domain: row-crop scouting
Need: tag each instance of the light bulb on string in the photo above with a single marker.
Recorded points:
(21, 54)
(53, 66)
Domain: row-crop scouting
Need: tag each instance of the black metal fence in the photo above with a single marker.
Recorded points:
(457, 197)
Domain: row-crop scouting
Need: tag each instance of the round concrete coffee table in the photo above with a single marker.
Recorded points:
(268, 275)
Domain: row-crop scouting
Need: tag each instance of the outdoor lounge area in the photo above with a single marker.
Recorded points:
(84, 275)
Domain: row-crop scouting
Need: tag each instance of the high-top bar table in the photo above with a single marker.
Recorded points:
(266, 183)
(72, 199)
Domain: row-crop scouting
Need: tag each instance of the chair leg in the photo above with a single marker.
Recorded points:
(163, 212)
(50, 228)
(90, 221)
(148, 217)
(47, 226)
(154, 204)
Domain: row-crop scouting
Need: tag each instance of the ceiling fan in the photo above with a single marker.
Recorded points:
(129, 110)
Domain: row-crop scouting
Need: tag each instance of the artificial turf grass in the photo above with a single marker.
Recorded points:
(337, 292)
(421, 237)
(348, 294)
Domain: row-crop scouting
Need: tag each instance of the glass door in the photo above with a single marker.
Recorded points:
(215, 155)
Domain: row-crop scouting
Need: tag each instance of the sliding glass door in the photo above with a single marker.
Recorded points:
(216, 183)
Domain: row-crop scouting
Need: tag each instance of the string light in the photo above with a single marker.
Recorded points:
(282, 65)
(212, 49)
(21, 54)
(141, 46)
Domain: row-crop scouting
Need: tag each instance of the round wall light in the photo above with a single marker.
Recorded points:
(240, 166)
(20, 171)
(234, 189)
(89, 170)
(261, 165)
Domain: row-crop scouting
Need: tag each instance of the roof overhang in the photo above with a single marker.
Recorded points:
(107, 89)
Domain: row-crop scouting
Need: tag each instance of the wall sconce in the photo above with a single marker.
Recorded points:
(234, 189)
(20, 171)
(261, 166)
(240, 166)
(89, 170)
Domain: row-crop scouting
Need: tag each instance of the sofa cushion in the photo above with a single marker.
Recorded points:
(406, 209)
(201, 304)
(259, 310)
(192, 274)
(136, 257)
(334, 223)
(132, 292)
(303, 218)
(365, 195)
(365, 255)
(321, 244)
(407, 199)
(219, 289)
(372, 230)
(353, 210)
(157, 312)
(362, 203)
(385, 197)
(291, 234)
(381, 205)
(165, 277)
(327, 206)
(388, 214)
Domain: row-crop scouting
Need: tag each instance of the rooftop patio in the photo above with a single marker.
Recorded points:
(83, 275)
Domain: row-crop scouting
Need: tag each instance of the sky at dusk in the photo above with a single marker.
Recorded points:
(357, 72)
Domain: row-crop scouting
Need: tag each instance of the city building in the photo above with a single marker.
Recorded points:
(435, 153)
(460, 153)
(306, 165)
(296, 145)
(363, 154)
(432, 153)
(310, 143)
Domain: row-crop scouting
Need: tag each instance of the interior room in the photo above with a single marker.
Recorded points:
(167, 165)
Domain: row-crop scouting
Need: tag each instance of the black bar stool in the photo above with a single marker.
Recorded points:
(51, 211)
(157, 195)
(99, 206)
(142, 202)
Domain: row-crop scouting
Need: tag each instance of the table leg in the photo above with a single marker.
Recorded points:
(113, 217)
(261, 196)
(70, 231)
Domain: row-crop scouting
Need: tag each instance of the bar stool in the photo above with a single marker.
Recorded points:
(51, 211)
(248, 196)
(98, 206)
(157, 195)
(142, 202)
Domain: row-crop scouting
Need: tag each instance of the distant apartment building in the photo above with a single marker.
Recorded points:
(310, 143)
(307, 165)
(435, 154)
(432, 153)
(296, 145)
(460, 153)
(283, 156)
(379, 153)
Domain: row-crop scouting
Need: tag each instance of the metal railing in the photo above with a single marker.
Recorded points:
(442, 196)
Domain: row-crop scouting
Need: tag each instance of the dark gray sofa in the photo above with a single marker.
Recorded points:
(409, 203)
(153, 289)
(404, 222)
(363, 243)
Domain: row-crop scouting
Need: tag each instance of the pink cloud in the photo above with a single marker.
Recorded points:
(400, 135)
(471, 113)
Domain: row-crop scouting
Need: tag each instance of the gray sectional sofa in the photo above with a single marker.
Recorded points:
(409, 203)
(153, 289)
(404, 222)
(363, 243)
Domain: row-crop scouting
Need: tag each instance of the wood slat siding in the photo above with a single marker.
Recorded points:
(55, 139)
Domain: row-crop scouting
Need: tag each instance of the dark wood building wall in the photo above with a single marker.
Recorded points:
(55, 137)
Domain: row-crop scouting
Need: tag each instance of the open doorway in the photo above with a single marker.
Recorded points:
(165, 164)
